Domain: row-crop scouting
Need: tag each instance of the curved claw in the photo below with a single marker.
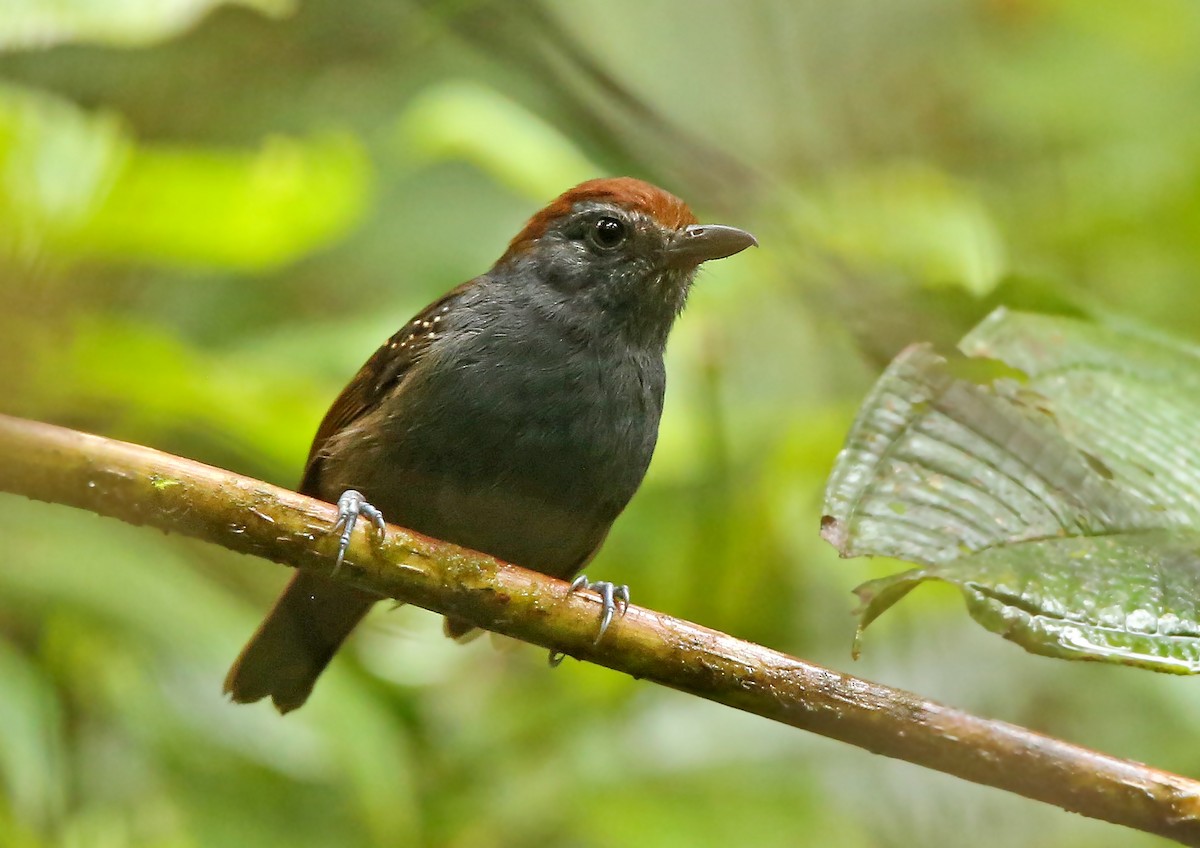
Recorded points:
(351, 505)
(612, 596)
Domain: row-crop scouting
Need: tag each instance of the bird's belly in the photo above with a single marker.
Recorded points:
(536, 481)
(529, 531)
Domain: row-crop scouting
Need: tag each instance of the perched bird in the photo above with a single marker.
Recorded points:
(516, 415)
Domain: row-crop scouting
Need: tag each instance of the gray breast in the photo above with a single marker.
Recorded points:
(527, 452)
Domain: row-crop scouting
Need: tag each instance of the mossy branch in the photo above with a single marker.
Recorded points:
(143, 486)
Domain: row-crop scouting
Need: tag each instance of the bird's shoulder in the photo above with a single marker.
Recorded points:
(379, 376)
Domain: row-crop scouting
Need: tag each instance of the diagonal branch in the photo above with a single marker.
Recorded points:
(143, 486)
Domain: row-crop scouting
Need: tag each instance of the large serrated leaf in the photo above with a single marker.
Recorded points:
(1063, 504)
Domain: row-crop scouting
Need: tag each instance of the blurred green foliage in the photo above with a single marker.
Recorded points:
(209, 217)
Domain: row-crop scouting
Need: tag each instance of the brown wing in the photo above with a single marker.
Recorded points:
(315, 614)
(381, 373)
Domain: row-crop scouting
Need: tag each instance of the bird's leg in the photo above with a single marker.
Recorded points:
(611, 596)
(351, 505)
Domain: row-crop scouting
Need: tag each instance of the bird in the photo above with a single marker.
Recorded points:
(516, 415)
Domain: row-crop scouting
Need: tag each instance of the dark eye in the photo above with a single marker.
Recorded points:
(608, 232)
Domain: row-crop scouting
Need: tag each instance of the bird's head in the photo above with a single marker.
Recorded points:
(618, 250)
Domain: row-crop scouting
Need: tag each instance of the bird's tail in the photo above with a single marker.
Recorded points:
(295, 642)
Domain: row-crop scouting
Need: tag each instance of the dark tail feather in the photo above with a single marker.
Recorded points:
(459, 630)
(296, 641)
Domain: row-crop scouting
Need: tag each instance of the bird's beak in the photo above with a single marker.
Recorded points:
(702, 242)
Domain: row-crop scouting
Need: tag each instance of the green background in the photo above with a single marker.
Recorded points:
(210, 215)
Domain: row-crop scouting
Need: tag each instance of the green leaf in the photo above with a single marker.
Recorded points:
(1122, 395)
(1060, 500)
(76, 185)
(156, 380)
(910, 217)
(31, 744)
(32, 24)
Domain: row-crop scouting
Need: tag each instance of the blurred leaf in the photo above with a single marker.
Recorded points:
(132, 631)
(56, 166)
(518, 149)
(885, 317)
(908, 217)
(149, 380)
(31, 755)
(1061, 503)
(26, 24)
(76, 185)
(230, 209)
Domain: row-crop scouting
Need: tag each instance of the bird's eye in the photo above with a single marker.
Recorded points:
(608, 232)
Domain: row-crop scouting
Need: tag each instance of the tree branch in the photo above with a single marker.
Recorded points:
(143, 486)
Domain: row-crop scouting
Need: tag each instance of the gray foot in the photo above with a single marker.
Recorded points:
(351, 505)
(612, 596)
